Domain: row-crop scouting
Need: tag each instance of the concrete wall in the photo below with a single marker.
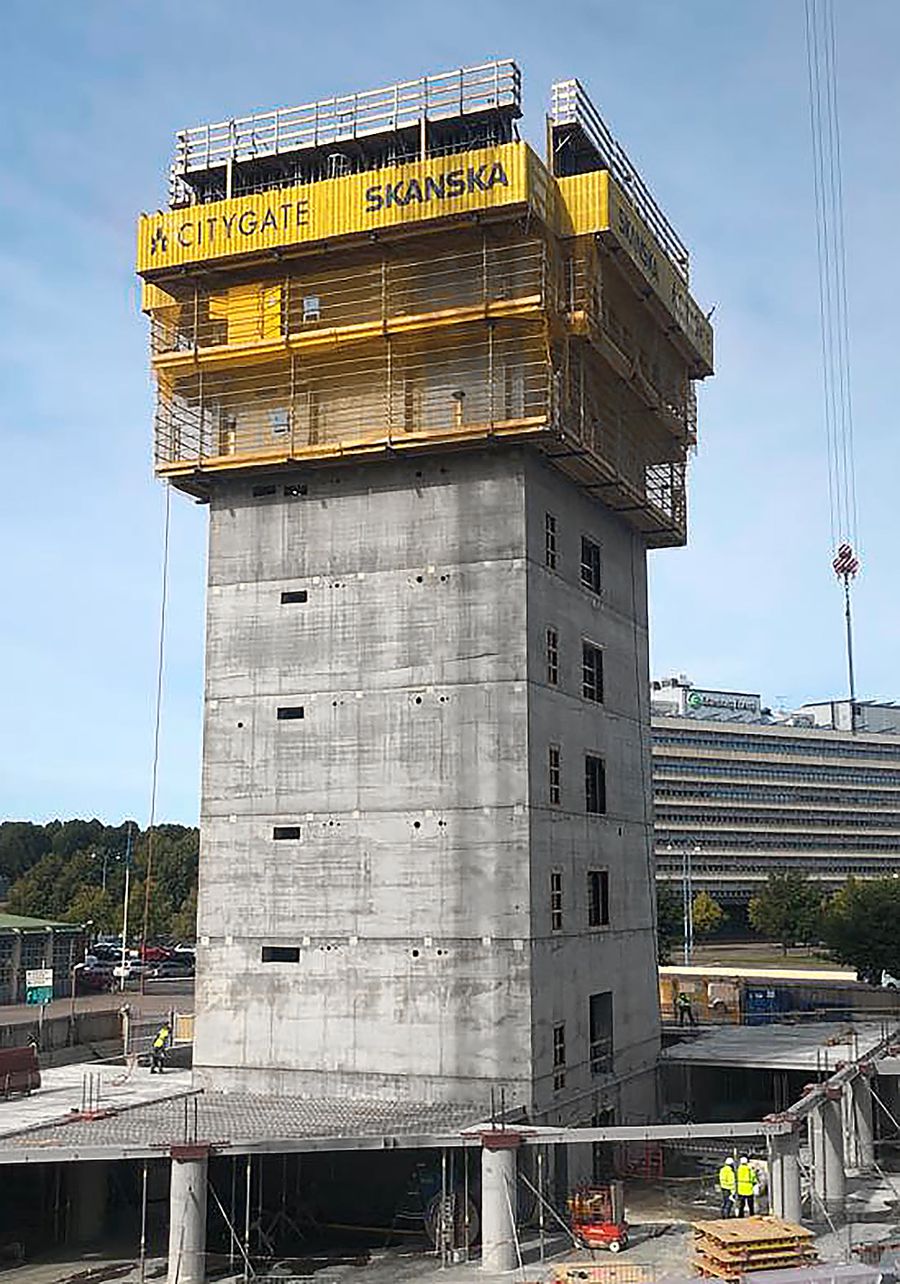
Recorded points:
(416, 892)
(620, 957)
(407, 891)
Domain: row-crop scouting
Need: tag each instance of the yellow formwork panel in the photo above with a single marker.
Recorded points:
(594, 203)
(467, 182)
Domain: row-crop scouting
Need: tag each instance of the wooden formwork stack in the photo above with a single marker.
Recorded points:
(727, 1248)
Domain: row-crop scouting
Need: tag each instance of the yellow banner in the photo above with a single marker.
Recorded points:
(594, 202)
(644, 251)
(402, 194)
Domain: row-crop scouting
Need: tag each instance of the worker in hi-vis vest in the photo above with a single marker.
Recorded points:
(747, 1182)
(158, 1048)
(727, 1186)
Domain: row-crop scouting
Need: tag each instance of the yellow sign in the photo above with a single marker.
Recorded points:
(594, 202)
(462, 183)
(644, 251)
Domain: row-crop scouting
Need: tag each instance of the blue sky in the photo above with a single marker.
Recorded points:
(709, 96)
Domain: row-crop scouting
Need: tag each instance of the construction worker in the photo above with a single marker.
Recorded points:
(747, 1185)
(685, 1008)
(158, 1048)
(727, 1186)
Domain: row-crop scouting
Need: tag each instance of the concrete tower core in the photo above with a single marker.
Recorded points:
(438, 397)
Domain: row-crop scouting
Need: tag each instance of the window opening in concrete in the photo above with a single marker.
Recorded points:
(594, 784)
(559, 1056)
(281, 954)
(601, 1032)
(556, 901)
(591, 672)
(598, 897)
(294, 595)
(262, 492)
(590, 564)
(287, 712)
(554, 778)
(286, 831)
(551, 548)
(552, 656)
(600, 1150)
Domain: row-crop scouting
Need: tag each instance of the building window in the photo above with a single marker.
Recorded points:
(281, 954)
(552, 657)
(554, 780)
(551, 548)
(559, 1056)
(591, 672)
(601, 1032)
(290, 596)
(598, 897)
(556, 904)
(594, 785)
(286, 832)
(590, 564)
(287, 712)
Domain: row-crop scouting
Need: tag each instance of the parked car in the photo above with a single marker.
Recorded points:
(94, 978)
(131, 970)
(172, 969)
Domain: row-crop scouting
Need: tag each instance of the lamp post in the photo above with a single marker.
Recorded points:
(687, 896)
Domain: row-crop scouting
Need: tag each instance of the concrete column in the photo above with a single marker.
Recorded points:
(863, 1126)
(826, 1144)
(187, 1215)
(784, 1175)
(87, 1201)
(498, 1201)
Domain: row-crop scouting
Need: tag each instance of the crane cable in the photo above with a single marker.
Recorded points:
(832, 267)
(160, 672)
(821, 63)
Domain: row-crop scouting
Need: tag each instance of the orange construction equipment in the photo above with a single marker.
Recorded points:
(597, 1216)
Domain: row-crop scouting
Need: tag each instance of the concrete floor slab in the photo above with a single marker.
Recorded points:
(64, 1088)
(813, 1046)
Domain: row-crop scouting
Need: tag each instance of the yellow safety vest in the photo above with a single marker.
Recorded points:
(162, 1038)
(746, 1179)
(726, 1177)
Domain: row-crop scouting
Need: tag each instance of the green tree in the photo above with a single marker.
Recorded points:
(707, 913)
(92, 904)
(669, 921)
(860, 925)
(787, 910)
(184, 924)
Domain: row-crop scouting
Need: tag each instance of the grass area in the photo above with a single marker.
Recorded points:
(762, 954)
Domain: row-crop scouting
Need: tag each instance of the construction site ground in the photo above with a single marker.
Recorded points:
(660, 1214)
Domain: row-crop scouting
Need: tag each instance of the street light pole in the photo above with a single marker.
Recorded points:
(125, 908)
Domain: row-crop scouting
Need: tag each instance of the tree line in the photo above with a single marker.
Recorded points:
(857, 924)
(74, 871)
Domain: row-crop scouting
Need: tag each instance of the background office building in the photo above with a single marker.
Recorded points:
(746, 792)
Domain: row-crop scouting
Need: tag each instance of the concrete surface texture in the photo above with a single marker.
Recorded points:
(818, 1045)
(65, 1089)
(405, 913)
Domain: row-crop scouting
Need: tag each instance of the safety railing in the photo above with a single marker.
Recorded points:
(612, 313)
(570, 105)
(296, 404)
(466, 91)
(371, 292)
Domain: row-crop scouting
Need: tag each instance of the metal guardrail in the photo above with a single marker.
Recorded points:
(466, 91)
(570, 105)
